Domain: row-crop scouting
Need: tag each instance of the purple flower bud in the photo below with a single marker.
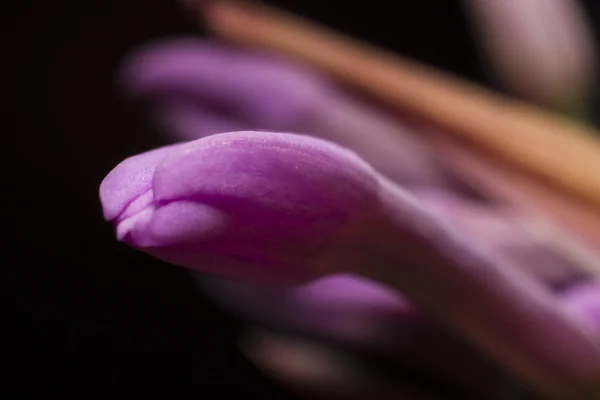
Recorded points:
(255, 206)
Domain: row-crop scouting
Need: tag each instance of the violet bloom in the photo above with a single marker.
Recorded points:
(543, 50)
(361, 314)
(198, 88)
(280, 208)
(255, 206)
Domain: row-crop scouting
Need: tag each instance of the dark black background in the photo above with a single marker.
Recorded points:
(84, 311)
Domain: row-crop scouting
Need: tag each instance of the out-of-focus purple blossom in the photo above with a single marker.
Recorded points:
(198, 88)
(365, 315)
(541, 49)
(584, 301)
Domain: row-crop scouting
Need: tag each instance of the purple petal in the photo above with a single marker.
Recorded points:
(584, 301)
(510, 233)
(129, 180)
(177, 223)
(344, 307)
(364, 314)
(256, 200)
(283, 172)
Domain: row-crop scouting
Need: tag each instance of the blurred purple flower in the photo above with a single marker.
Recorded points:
(543, 50)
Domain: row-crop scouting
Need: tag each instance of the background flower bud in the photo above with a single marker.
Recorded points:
(542, 50)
